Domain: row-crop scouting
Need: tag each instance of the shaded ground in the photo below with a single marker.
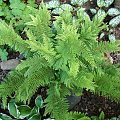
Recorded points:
(92, 105)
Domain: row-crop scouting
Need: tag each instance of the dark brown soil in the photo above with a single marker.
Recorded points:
(93, 105)
(89, 103)
(116, 57)
(117, 32)
(13, 55)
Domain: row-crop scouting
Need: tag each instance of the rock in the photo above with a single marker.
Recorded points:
(21, 56)
(10, 64)
(117, 3)
(73, 100)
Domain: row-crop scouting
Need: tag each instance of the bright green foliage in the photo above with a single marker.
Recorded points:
(14, 39)
(59, 104)
(77, 116)
(3, 8)
(109, 82)
(3, 54)
(102, 116)
(30, 85)
(39, 24)
(70, 58)
(11, 84)
(17, 12)
(45, 49)
(17, 7)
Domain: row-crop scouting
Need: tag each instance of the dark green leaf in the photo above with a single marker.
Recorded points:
(39, 101)
(12, 107)
(35, 117)
(5, 117)
(24, 111)
(66, 7)
(79, 2)
(102, 116)
(52, 4)
(33, 111)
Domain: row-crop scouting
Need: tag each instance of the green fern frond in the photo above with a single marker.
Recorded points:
(45, 48)
(40, 23)
(106, 47)
(74, 68)
(11, 85)
(109, 86)
(85, 80)
(77, 116)
(12, 39)
(33, 64)
(65, 17)
(87, 54)
(67, 48)
(55, 104)
(30, 85)
(109, 83)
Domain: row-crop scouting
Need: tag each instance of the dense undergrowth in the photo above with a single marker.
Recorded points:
(63, 55)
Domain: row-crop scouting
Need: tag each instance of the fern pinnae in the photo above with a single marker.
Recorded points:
(33, 82)
(40, 23)
(59, 104)
(13, 81)
(33, 64)
(14, 39)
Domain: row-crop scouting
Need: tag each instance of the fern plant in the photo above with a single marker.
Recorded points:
(63, 57)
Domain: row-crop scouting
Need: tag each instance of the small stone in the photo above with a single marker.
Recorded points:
(10, 64)
(73, 100)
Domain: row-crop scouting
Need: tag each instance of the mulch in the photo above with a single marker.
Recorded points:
(93, 105)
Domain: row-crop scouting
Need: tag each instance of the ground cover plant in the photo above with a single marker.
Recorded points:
(20, 111)
(63, 55)
(111, 12)
(16, 12)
